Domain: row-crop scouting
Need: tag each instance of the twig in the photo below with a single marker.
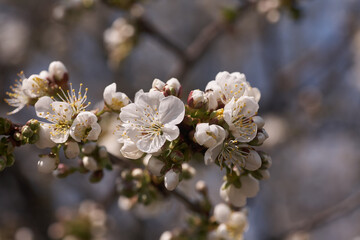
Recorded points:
(346, 206)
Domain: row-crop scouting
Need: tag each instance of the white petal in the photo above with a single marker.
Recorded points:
(170, 132)
(108, 91)
(43, 106)
(249, 186)
(236, 196)
(59, 136)
(94, 132)
(82, 123)
(222, 213)
(44, 137)
(171, 180)
(62, 110)
(129, 150)
(150, 144)
(149, 99)
(171, 110)
(131, 113)
(253, 161)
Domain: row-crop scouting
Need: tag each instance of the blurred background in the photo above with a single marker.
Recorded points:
(304, 56)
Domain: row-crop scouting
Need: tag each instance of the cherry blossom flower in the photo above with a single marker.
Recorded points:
(238, 115)
(85, 127)
(18, 98)
(61, 115)
(152, 119)
(35, 86)
(115, 100)
(212, 137)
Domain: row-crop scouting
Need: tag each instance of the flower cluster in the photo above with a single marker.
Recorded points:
(158, 134)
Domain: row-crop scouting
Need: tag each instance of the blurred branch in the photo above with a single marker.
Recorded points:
(203, 41)
(346, 206)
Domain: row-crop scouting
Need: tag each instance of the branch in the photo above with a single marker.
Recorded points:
(346, 206)
(203, 41)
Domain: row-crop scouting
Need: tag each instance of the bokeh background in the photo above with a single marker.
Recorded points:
(305, 61)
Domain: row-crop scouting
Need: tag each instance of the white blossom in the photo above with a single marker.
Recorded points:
(238, 115)
(166, 236)
(85, 127)
(222, 213)
(172, 87)
(171, 180)
(18, 98)
(61, 114)
(47, 164)
(57, 70)
(212, 137)
(88, 148)
(35, 86)
(103, 153)
(90, 163)
(157, 85)
(197, 99)
(115, 100)
(232, 85)
(237, 196)
(151, 120)
(72, 149)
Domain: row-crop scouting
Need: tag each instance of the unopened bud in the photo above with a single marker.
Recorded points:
(153, 164)
(5, 126)
(188, 171)
(90, 163)
(103, 152)
(47, 164)
(88, 148)
(71, 149)
(259, 121)
(17, 136)
(26, 131)
(10, 160)
(197, 99)
(171, 180)
(172, 87)
(266, 159)
(177, 156)
(61, 171)
(137, 173)
(222, 213)
(201, 187)
(158, 84)
(253, 161)
(33, 124)
(166, 236)
(58, 71)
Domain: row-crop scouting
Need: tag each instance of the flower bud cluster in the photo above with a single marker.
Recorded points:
(136, 184)
(231, 224)
(89, 220)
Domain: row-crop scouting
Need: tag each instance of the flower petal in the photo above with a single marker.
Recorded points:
(150, 143)
(44, 137)
(43, 106)
(62, 110)
(171, 110)
(108, 92)
(171, 132)
(59, 135)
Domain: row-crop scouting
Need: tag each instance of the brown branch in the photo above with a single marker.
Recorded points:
(346, 206)
(203, 41)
